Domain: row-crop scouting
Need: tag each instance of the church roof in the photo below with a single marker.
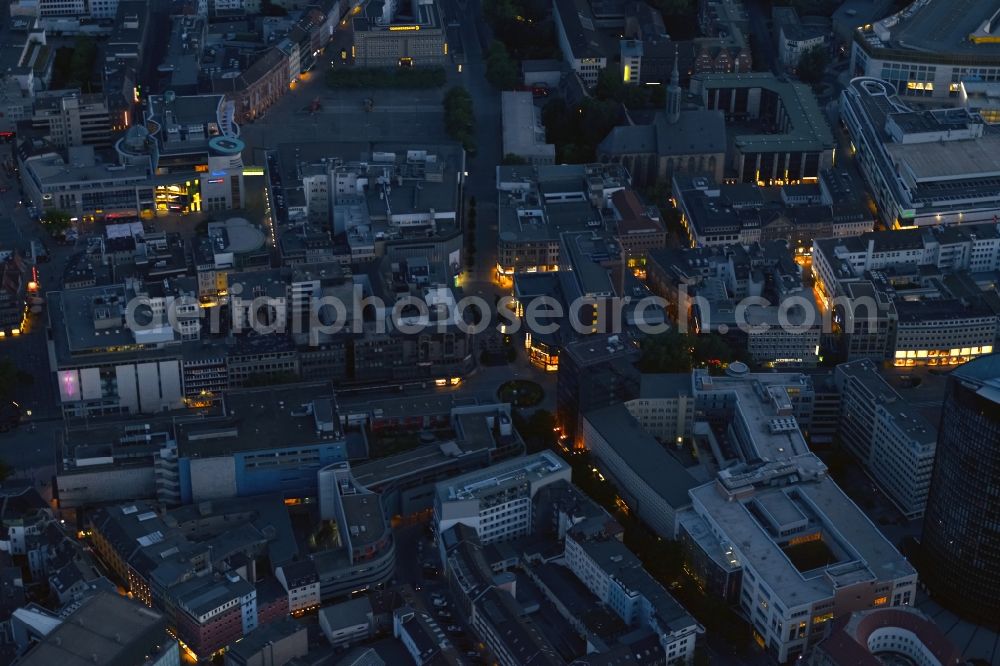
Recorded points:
(629, 140)
(696, 132)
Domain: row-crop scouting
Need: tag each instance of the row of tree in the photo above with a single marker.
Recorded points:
(459, 120)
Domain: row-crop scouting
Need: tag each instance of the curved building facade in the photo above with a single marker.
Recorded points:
(886, 636)
(962, 523)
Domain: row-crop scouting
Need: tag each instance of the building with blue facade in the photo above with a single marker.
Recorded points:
(271, 440)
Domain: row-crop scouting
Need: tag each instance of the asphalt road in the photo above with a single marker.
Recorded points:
(30, 449)
(414, 547)
(29, 351)
(481, 181)
(760, 35)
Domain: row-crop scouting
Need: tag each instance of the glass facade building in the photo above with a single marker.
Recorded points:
(962, 523)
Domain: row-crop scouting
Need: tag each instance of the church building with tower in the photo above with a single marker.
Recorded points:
(677, 141)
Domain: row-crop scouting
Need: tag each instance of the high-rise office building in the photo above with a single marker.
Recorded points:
(962, 522)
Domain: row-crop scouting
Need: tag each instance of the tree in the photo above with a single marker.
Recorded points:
(713, 349)
(537, 430)
(667, 352)
(459, 119)
(500, 68)
(56, 221)
(577, 131)
(610, 84)
(812, 65)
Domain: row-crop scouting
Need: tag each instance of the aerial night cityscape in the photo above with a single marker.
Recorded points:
(500, 332)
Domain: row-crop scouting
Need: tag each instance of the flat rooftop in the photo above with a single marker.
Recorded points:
(955, 174)
(264, 418)
(77, 308)
(762, 400)
(959, 27)
(537, 203)
(54, 169)
(187, 109)
(949, 160)
(593, 349)
(523, 134)
(664, 385)
(364, 517)
(861, 552)
(420, 177)
(511, 473)
(586, 251)
(376, 406)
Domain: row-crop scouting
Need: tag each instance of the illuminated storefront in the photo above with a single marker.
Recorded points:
(181, 198)
(939, 357)
(543, 355)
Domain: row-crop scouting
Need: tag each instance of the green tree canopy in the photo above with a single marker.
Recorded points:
(812, 65)
(680, 352)
(459, 119)
(501, 70)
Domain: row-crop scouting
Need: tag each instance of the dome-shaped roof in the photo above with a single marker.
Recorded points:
(135, 138)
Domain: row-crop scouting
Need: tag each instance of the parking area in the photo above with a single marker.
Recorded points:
(421, 568)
